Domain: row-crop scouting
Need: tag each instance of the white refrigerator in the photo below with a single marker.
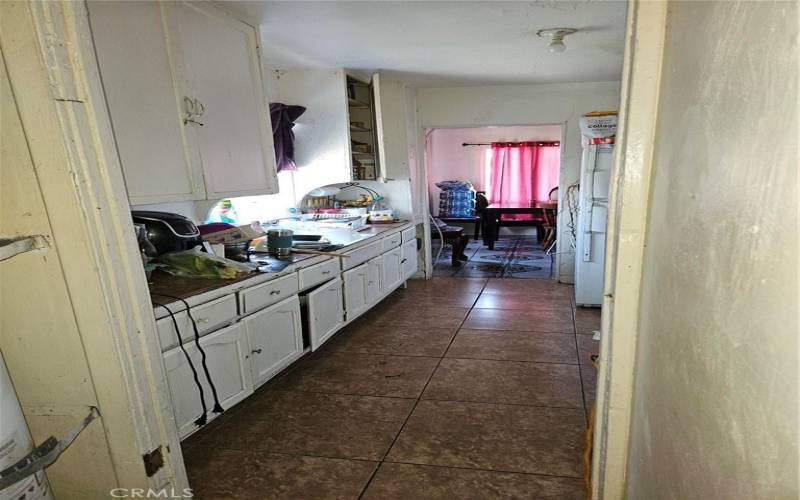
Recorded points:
(590, 250)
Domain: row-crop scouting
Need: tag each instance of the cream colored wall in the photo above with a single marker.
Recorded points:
(525, 105)
(715, 410)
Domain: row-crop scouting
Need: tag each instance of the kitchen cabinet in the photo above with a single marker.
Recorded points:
(356, 294)
(409, 259)
(142, 83)
(276, 338)
(389, 103)
(223, 71)
(391, 267)
(227, 360)
(325, 312)
(186, 99)
(375, 289)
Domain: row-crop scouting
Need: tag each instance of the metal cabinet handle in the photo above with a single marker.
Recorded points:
(275, 292)
(256, 351)
(203, 320)
(404, 261)
(324, 273)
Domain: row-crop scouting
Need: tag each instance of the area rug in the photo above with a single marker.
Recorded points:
(512, 257)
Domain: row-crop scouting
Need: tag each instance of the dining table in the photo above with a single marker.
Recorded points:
(543, 213)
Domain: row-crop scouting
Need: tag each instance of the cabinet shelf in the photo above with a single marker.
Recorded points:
(354, 128)
(358, 153)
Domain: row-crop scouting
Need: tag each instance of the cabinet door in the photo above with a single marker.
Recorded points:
(276, 339)
(325, 312)
(391, 270)
(356, 296)
(223, 69)
(409, 260)
(390, 127)
(226, 358)
(374, 279)
(141, 80)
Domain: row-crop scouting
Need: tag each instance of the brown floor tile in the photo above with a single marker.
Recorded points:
(361, 374)
(304, 423)
(424, 482)
(587, 346)
(421, 316)
(409, 298)
(446, 284)
(496, 437)
(513, 346)
(248, 475)
(522, 301)
(394, 339)
(537, 288)
(532, 321)
(587, 319)
(506, 382)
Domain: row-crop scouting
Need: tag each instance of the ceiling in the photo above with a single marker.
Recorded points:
(443, 43)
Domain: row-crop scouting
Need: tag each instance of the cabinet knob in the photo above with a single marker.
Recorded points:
(275, 292)
(256, 351)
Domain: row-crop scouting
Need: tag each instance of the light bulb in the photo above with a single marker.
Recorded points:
(557, 46)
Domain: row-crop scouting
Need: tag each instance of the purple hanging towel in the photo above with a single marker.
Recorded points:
(283, 117)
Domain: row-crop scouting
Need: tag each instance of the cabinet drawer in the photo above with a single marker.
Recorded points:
(391, 241)
(261, 296)
(361, 255)
(318, 273)
(409, 234)
(209, 316)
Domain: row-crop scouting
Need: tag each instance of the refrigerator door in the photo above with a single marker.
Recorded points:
(592, 219)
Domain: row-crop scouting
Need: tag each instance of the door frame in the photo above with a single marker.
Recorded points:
(627, 226)
(48, 52)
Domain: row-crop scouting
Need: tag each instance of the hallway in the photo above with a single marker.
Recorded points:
(453, 388)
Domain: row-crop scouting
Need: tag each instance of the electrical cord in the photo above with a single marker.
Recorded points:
(202, 419)
(217, 406)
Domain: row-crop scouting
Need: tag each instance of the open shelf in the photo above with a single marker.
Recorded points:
(354, 128)
(353, 103)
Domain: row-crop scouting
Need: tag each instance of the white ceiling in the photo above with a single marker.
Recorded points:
(442, 43)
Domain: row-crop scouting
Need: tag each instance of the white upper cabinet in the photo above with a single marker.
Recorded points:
(159, 159)
(224, 77)
(186, 99)
(390, 125)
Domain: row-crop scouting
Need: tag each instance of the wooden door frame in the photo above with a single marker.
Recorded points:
(49, 54)
(627, 225)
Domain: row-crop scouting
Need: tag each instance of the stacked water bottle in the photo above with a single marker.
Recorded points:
(457, 199)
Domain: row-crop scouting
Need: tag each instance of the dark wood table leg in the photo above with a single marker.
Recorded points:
(478, 228)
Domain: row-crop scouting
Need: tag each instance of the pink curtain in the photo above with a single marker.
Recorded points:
(523, 172)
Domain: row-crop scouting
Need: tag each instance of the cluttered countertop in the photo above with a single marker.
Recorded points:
(166, 288)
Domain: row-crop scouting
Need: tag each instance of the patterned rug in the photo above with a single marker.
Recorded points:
(512, 257)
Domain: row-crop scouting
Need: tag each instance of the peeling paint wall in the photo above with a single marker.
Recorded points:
(716, 397)
(552, 104)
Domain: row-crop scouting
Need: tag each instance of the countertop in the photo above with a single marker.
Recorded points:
(199, 290)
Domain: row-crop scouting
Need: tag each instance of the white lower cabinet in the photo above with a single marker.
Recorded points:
(226, 358)
(276, 338)
(356, 296)
(374, 279)
(325, 312)
(409, 259)
(391, 269)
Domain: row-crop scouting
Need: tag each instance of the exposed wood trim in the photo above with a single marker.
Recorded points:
(52, 68)
(627, 224)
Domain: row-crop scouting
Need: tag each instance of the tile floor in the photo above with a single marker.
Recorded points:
(468, 388)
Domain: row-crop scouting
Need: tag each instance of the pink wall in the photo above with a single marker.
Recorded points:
(449, 160)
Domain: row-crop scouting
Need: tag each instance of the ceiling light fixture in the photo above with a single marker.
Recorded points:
(556, 36)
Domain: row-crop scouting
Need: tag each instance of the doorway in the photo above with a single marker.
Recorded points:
(466, 168)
